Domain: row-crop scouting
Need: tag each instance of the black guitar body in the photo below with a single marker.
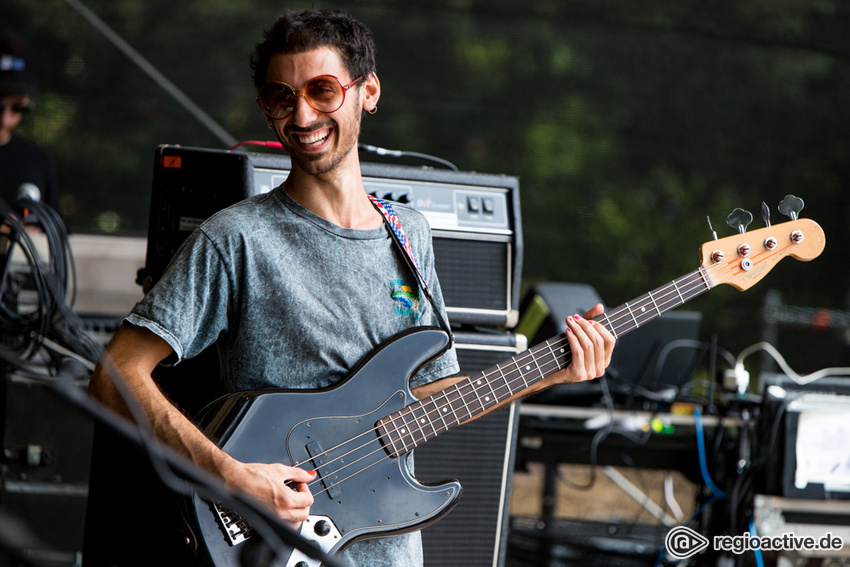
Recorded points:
(362, 492)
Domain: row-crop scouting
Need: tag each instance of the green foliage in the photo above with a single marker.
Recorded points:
(627, 122)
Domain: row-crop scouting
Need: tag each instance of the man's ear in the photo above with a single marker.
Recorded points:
(371, 90)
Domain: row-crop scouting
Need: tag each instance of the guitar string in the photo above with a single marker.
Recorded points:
(698, 282)
(670, 290)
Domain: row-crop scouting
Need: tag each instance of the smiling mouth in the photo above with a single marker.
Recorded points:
(313, 138)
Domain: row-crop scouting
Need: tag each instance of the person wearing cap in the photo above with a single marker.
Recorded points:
(24, 165)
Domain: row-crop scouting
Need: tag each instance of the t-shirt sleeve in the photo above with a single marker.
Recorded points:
(188, 306)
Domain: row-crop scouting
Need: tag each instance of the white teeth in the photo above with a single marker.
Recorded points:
(313, 138)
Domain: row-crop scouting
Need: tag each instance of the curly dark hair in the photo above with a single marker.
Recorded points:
(297, 32)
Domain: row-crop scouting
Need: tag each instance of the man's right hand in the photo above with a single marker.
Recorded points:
(285, 489)
(132, 355)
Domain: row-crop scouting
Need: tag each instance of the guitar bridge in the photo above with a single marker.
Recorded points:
(236, 530)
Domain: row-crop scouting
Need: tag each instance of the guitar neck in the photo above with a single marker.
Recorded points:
(420, 421)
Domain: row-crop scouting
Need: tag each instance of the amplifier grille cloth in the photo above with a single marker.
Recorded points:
(473, 274)
(473, 534)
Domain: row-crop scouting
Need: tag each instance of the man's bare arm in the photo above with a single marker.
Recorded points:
(132, 355)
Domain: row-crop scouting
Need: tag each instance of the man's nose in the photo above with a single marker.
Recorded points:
(303, 114)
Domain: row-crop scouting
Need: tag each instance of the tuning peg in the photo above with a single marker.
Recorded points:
(791, 206)
(765, 213)
(740, 219)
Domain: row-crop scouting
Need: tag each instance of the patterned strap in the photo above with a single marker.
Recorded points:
(386, 209)
(392, 221)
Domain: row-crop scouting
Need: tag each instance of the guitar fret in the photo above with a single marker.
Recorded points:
(440, 410)
(552, 354)
(388, 435)
(449, 404)
(504, 380)
(475, 391)
(413, 426)
(653, 303)
(561, 351)
(502, 391)
(645, 315)
(681, 299)
(489, 383)
(428, 419)
(610, 326)
(401, 433)
(536, 365)
(704, 277)
(521, 375)
(461, 398)
(629, 309)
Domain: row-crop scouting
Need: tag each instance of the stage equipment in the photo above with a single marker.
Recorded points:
(661, 354)
(815, 421)
(481, 456)
(474, 217)
(45, 466)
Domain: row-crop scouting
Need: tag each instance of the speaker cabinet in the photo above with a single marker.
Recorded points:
(45, 469)
(474, 217)
(481, 455)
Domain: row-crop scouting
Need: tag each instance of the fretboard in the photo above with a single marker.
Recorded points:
(404, 430)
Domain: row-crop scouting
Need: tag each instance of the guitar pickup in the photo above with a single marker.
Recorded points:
(320, 459)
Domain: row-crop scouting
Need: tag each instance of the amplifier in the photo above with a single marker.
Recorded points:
(814, 462)
(474, 218)
(481, 455)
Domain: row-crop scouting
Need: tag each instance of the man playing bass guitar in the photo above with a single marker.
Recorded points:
(296, 286)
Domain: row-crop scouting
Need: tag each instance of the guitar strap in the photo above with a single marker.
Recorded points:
(394, 224)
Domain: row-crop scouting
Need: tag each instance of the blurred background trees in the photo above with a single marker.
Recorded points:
(627, 123)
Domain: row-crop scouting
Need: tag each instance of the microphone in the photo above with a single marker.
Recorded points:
(28, 191)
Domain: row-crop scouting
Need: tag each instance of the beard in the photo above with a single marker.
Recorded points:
(346, 133)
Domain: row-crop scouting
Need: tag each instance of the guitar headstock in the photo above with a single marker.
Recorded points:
(744, 259)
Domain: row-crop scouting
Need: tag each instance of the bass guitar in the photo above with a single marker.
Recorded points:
(359, 434)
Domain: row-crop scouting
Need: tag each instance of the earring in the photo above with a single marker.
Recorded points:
(373, 110)
(270, 125)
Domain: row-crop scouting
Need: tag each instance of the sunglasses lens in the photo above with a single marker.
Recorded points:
(277, 100)
(16, 108)
(325, 94)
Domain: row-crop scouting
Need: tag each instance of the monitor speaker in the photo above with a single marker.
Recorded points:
(481, 455)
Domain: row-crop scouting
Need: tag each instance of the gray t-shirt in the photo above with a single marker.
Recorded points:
(294, 301)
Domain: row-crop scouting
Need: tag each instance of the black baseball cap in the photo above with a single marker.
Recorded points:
(16, 73)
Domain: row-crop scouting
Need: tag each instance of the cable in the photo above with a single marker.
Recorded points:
(363, 147)
(714, 498)
(703, 461)
(670, 498)
(741, 372)
(400, 153)
(687, 343)
(37, 321)
(757, 550)
(269, 144)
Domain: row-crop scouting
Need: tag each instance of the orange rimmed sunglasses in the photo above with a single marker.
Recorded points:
(324, 93)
